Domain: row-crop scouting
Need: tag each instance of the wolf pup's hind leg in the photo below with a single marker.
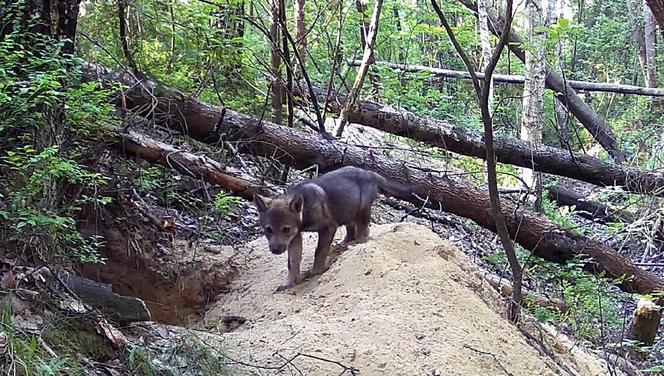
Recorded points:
(294, 259)
(362, 232)
(351, 233)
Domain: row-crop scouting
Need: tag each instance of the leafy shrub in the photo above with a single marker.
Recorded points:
(45, 110)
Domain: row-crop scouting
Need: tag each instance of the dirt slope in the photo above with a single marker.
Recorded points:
(403, 303)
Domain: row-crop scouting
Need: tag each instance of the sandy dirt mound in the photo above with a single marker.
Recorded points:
(405, 302)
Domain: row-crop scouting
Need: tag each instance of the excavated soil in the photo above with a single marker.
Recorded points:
(404, 303)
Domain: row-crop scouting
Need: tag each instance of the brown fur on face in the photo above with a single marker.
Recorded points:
(280, 219)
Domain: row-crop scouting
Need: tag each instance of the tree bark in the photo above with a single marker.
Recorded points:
(300, 30)
(276, 87)
(124, 38)
(650, 50)
(124, 309)
(367, 59)
(512, 151)
(483, 27)
(657, 9)
(196, 166)
(644, 323)
(519, 80)
(364, 33)
(441, 192)
(565, 93)
(58, 20)
(635, 14)
(483, 94)
(587, 209)
(532, 116)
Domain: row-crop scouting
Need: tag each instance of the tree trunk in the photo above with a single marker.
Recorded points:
(275, 63)
(54, 19)
(483, 26)
(532, 117)
(367, 59)
(124, 38)
(364, 33)
(657, 9)
(564, 92)
(587, 209)
(635, 13)
(483, 91)
(300, 30)
(562, 119)
(123, 309)
(508, 150)
(649, 27)
(441, 192)
(643, 326)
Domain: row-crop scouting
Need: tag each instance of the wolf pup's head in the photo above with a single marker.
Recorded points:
(280, 218)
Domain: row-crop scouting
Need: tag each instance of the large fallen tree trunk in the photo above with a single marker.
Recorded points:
(564, 91)
(519, 80)
(434, 190)
(509, 150)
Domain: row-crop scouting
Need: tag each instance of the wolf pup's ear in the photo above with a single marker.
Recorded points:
(262, 203)
(296, 203)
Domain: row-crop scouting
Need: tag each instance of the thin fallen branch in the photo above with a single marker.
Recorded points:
(519, 80)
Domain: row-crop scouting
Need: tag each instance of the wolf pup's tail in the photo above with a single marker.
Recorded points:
(393, 188)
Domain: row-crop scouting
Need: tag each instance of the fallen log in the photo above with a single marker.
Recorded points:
(124, 309)
(564, 91)
(519, 80)
(432, 189)
(197, 166)
(509, 150)
(586, 209)
(504, 287)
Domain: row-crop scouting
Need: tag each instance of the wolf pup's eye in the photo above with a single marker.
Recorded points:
(285, 229)
(267, 229)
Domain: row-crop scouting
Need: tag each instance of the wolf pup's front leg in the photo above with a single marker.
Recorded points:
(294, 259)
(325, 238)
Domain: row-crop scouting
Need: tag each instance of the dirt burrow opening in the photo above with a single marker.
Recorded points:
(175, 277)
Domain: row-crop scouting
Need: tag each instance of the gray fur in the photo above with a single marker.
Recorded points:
(341, 197)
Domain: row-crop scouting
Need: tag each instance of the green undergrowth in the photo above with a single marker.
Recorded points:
(57, 349)
(186, 355)
(592, 301)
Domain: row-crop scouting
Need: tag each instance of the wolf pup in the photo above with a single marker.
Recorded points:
(340, 197)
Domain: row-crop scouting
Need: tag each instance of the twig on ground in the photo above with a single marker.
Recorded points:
(492, 355)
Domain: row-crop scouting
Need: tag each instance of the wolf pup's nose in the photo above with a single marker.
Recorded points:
(277, 249)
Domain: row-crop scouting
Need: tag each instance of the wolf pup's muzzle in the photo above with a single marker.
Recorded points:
(278, 249)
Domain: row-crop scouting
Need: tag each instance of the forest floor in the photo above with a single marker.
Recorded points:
(412, 300)
(405, 302)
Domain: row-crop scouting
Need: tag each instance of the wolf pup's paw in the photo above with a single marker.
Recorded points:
(285, 286)
(316, 271)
